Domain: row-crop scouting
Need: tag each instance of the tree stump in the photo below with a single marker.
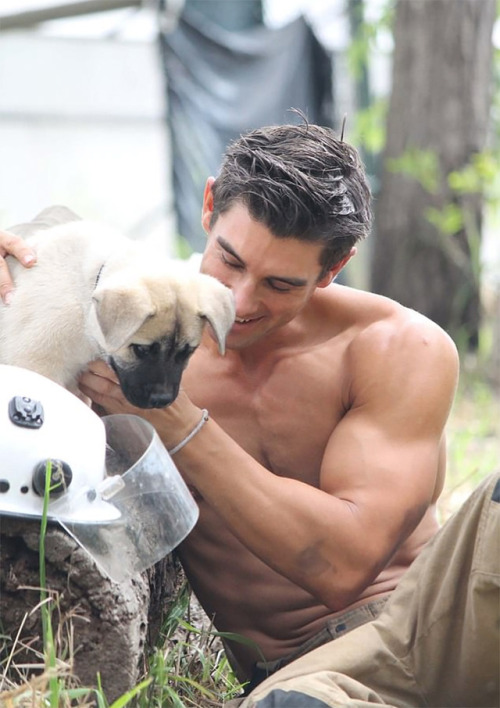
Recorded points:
(103, 627)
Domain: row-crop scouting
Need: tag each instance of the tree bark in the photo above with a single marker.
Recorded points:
(440, 101)
(100, 627)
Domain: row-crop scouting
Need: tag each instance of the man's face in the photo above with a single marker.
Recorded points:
(271, 278)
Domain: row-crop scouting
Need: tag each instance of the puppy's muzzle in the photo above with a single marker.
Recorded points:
(145, 397)
(147, 386)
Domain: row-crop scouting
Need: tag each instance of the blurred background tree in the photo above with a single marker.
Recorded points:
(435, 169)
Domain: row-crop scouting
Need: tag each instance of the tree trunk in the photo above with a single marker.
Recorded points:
(100, 627)
(440, 102)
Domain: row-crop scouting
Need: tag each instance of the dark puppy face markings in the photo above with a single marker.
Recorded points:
(152, 378)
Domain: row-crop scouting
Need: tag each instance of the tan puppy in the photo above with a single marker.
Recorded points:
(96, 294)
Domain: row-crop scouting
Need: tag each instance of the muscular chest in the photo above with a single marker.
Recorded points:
(282, 413)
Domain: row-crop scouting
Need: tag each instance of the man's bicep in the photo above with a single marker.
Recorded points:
(388, 478)
(390, 440)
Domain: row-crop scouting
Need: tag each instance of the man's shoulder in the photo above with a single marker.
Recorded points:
(397, 328)
(375, 317)
(395, 340)
(368, 322)
(370, 315)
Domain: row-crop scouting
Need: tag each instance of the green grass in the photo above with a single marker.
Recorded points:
(473, 435)
(190, 668)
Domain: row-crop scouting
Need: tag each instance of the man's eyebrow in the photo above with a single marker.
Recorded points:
(293, 282)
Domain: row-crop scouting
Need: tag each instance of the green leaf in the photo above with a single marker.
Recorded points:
(369, 127)
(127, 697)
(449, 219)
(421, 165)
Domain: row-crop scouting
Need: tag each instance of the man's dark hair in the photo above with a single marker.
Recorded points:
(301, 182)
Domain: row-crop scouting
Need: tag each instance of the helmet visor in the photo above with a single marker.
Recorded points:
(153, 507)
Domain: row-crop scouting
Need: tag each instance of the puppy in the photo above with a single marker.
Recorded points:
(96, 294)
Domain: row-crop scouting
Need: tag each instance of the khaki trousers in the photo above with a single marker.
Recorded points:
(435, 644)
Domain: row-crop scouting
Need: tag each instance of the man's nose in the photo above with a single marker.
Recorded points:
(245, 295)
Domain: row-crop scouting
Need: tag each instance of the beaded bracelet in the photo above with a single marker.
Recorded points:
(196, 429)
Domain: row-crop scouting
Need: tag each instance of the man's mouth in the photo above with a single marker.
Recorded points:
(246, 320)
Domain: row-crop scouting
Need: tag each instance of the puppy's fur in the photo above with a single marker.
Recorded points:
(96, 294)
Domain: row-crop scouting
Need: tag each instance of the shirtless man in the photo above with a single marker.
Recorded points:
(318, 470)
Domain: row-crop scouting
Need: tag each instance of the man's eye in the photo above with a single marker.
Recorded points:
(279, 287)
(141, 350)
(230, 263)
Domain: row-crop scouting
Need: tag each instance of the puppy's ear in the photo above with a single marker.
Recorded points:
(120, 313)
(216, 305)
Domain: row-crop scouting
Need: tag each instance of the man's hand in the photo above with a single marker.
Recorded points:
(13, 245)
(101, 385)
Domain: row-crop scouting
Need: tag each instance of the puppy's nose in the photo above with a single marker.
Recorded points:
(160, 400)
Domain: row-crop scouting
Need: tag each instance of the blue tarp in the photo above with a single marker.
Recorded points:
(221, 84)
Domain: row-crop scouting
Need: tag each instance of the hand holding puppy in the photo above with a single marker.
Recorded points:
(13, 245)
(174, 423)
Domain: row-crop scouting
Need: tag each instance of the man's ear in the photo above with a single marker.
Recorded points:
(208, 205)
(335, 270)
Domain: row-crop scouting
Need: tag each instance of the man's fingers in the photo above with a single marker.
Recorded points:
(101, 368)
(13, 245)
(100, 384)
(6, 284)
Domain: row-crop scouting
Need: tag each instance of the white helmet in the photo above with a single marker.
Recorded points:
(113, 485)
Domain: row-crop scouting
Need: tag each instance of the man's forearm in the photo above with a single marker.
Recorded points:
(303, 533)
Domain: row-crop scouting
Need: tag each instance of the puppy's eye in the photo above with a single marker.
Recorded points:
(184, 353)
(141, 351)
